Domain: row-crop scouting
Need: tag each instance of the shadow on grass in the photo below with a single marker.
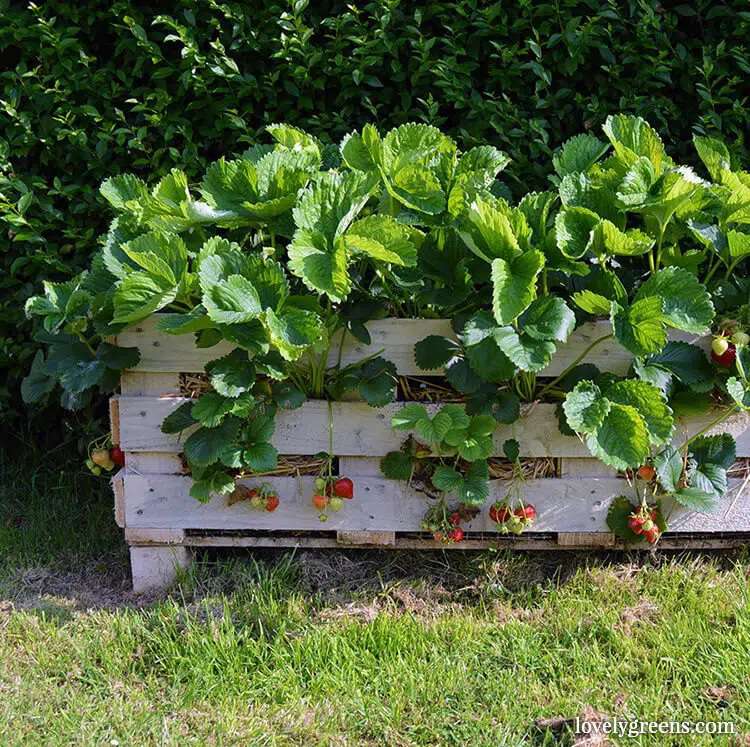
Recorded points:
(61, 552)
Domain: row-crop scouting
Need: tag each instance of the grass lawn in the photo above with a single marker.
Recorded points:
(350, 648)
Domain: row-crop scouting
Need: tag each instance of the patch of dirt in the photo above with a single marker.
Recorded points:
(720, 696)
(100, 585)
(642, 612)
(561, 725)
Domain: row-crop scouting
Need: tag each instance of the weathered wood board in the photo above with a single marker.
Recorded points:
(394, 339)
(563, 505)
(160, 518)
(360, 430)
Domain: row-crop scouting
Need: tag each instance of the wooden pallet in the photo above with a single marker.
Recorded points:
(162, 521)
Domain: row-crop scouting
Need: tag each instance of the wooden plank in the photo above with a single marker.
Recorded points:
(360, 430)
(118, 489)
(151, 536)
(154, 463)
(394, 339)
(114, 419)
(144, 383)
(359, 467)
(586, 539)
(365, 538)
(573, 467)
(526, 541)
(563, 505)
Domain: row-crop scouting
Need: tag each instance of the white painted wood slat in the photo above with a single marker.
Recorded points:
(360, 430)
(394, 339)
(563, 505)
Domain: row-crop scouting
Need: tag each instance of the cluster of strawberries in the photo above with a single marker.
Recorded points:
(262, 498)
(511, 520)
(643, 522)
(330, 494)
(444, 522)
(724, 346)
(105, 459)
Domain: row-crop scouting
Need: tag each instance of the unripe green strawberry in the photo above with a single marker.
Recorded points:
(320, 484)
(719, 345)
(741, 338)
(335, 503)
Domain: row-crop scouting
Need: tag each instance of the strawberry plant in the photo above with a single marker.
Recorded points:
(285, 252)
(512, 514)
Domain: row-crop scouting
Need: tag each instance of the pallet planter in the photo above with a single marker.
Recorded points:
(162, 521)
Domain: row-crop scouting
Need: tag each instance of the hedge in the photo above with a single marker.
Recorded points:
(95, 89)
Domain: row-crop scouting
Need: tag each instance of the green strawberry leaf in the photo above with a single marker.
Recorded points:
(232, 375)
(685, 361)
(640, 328)
(586, 407)
(215, 482)
(622, 439)
(695, 499)
(714, 155)
(720, 450)
(548, 318)
(434, 352)
(514, 285)
(205, 445)
(487, 228)
(293, 331)
(180, 419)
(407, 417)
(574, 229)
(211, 408)
(686, 303)
(526, 352)
(474, 488)
(377, 382)
(739, 392)
(139, 295)
(650, 404)
(261, 457)
(578, 154)
(447, 479)
(669, 465)
(39, 382)
(396, 465)
(382, 238)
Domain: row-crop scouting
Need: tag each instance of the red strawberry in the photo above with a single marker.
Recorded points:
(652, 535)
(117, 455)
(456, 534)
(636, 524)
(646, 473)
(499, 513)
(455, 518)
(526, 513)
(529, 512)
(320, 501)
(725, 359)
(272, 502)
(344, 488)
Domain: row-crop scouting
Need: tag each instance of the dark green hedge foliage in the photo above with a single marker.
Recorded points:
(88, 90)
